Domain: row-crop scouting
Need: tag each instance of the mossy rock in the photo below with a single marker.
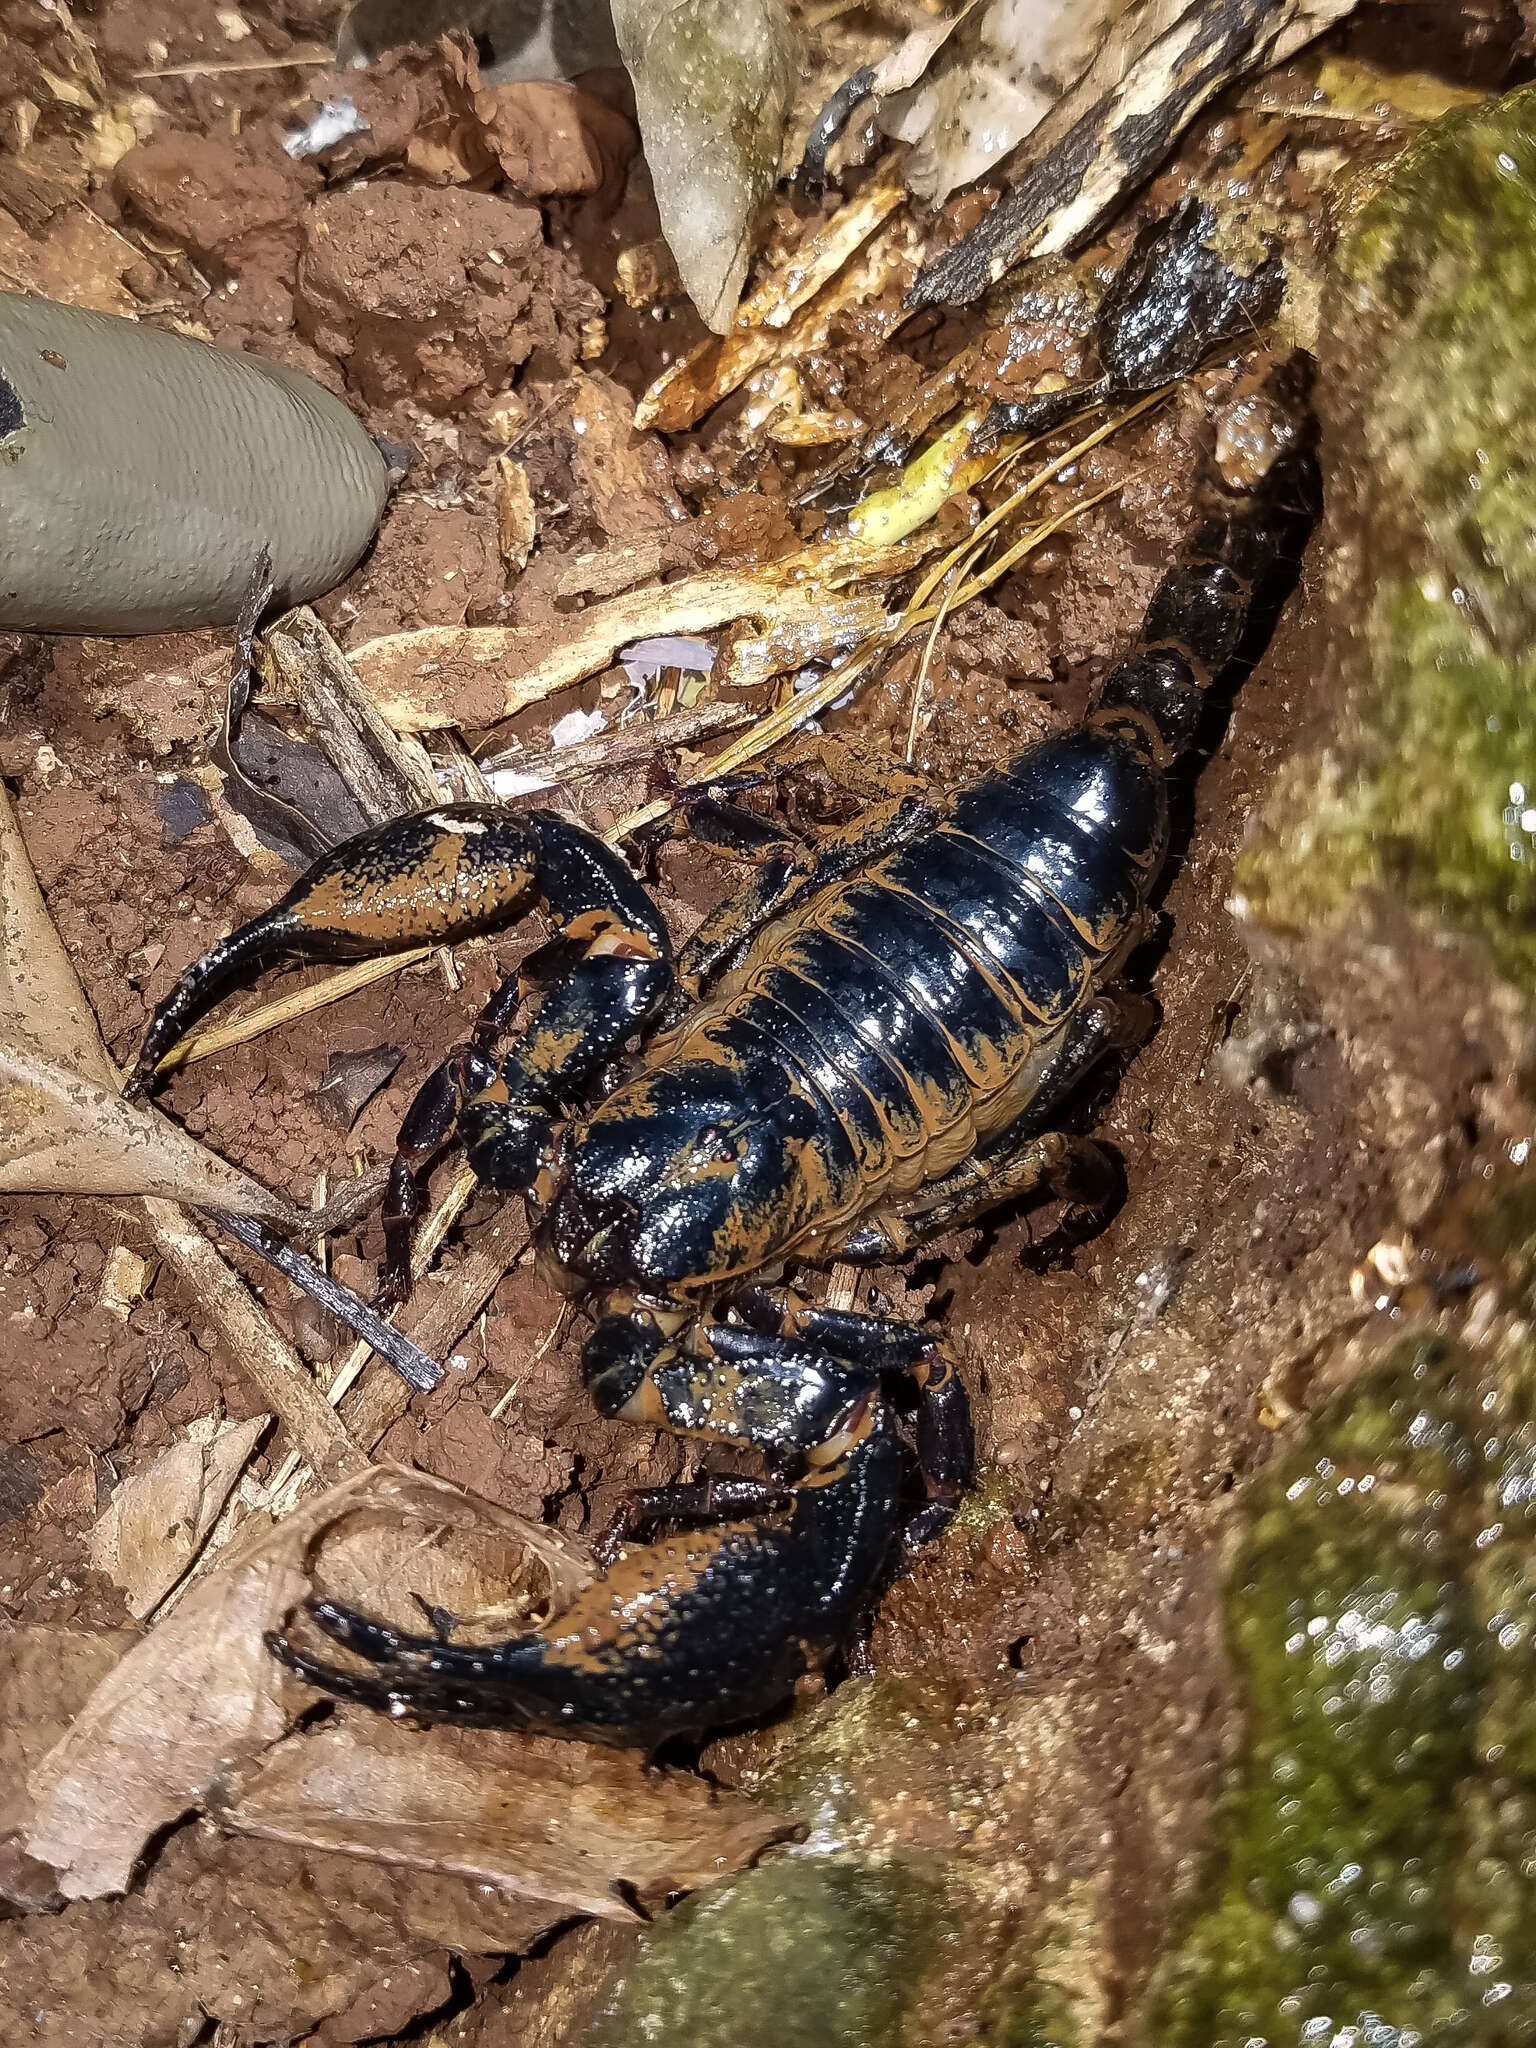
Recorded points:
(1379, 1880)
(1424, 786)
(813, 1949)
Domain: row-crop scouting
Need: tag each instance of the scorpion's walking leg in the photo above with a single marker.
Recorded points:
(717, 1497)
(1025, 1156)
(616, 967)
(791, 1339)
(790, 872)
(811, 176)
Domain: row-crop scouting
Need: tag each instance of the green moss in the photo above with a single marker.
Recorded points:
(987, 1504)
(1380, 1870)
(1428, 788)
(806, 1949)
(1052, 1996)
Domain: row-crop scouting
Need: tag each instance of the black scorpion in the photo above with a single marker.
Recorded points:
(876, 1035)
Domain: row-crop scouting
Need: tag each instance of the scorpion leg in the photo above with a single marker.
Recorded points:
(780, 879)
(717, 1497)
(786, 1332)
(429, 1125)
(1024, 1155)
(1076, 1169)
(828, 125)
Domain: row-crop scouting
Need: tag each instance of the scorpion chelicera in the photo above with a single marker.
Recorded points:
(866, 1050)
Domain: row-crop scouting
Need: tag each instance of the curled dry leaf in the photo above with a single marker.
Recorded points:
(195, 1696)
(62, 1134)
(988, 85)
(156, 1522)
(64, 1129)
(46, 1676)
(541, 1819)
(712, 85)
(201, 1695)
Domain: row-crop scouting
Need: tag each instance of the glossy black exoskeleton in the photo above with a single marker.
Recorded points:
(874, 1037)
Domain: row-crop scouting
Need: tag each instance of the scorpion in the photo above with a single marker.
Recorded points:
(863, 1050)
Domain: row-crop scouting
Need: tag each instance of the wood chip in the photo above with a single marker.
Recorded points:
(516, 521)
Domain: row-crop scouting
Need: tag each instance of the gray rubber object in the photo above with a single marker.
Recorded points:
(141, 472)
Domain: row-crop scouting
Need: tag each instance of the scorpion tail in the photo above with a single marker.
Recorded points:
(1253, 494)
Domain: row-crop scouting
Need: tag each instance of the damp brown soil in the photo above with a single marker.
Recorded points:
(1249, 1191)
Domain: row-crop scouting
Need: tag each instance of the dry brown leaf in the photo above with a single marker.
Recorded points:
(46, 1676)
(542, 1819)
(195, 1696)
(156, 1522)
(64, 1129)
(61, 1134)
(200, 1694)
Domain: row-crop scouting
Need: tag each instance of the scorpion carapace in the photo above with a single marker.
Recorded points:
(872, 1041)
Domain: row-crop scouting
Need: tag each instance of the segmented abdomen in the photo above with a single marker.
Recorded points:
(912, 1006)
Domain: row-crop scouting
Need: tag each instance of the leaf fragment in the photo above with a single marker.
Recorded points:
(712, 83)
(157, 1521)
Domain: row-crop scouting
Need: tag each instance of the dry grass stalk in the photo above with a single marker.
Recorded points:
(198, 1045)
(819, 258)
(443, 676)
(875, 281)
(630, 747)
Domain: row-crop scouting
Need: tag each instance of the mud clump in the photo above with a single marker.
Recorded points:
(435, 296)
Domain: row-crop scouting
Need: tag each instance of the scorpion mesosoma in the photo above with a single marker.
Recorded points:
(880, 1030)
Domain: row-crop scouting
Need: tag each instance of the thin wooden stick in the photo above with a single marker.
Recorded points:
(280, 1376)
(629, 746)
(428, 1242)
(420, 1373)
(380, 1404)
